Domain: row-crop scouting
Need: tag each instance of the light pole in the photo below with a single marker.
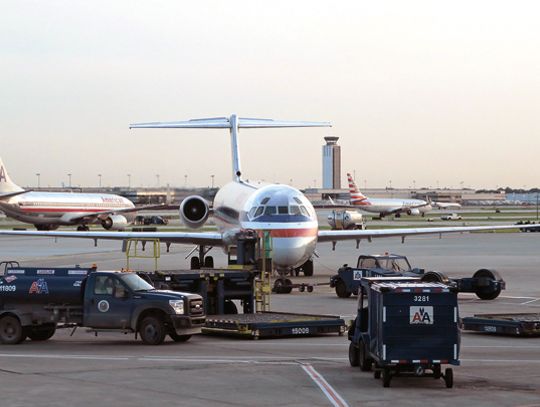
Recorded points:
(212, 176)
(38, 181)
(185, 180)
(414, 184)
(365, 185)
(129, 181)
(157, 177)
(69, 177)
(99, 176)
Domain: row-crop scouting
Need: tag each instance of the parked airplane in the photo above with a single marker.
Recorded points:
(242, 208)
(49, 210)
(386, 206)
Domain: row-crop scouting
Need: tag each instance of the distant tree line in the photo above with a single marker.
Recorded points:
(509, 190)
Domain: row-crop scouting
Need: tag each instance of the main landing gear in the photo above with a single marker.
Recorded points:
(202, 260)
(83, 228)
(284, 285)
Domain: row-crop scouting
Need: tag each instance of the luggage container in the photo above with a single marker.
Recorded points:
(405, 327)
(527, 324)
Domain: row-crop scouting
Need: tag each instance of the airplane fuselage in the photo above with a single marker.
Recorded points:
(387, 206)
(56, 208)
(281, 210)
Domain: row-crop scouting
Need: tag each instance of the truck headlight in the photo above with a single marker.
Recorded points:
(177, 306)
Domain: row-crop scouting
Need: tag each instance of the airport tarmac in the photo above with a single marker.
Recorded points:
(81, 370)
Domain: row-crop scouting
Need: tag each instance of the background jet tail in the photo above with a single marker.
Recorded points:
(7, 186)
(355, 193)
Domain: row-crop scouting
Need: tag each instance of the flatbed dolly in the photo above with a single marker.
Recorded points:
(274, 325)
(526, 324)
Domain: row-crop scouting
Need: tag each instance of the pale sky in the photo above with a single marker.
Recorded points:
(416, 90)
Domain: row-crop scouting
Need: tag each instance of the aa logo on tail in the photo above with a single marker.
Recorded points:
(2, 174)
(421, 315)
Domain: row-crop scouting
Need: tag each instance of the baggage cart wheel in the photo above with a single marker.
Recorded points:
(309, 288)
(449, 377)
(287, 289)
(377, 374)
(195, 264)
(278, 286)
(437, 372)
(482, 292)
(302, 288)
(386, 377)
(11, 331)
(209, 262)
(353, 355)
(229, 307)
(365, 360)
(341, 289)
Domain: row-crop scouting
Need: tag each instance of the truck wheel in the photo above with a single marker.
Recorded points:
(152, 331)
(483, 292)
(179, 338)
(353, 355)
(341, 289)
(11, 331)
(288, 286)
(449, 378)
(365, 360)
(41, 333)
(377, 374)
(386, 377)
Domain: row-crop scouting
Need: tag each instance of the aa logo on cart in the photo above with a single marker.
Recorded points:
(39, 287)
(421, 315)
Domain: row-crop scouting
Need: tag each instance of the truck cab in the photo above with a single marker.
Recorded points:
(37, 301)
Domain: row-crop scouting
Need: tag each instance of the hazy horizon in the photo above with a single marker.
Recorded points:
(418, 92)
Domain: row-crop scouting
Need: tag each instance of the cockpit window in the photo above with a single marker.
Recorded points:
(265, 200)
(259, 211)
(270, 210)
(304, 211)
(283, 210)
(294, 210)
(298, 201)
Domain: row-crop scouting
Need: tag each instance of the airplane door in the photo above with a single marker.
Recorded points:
(110, 305)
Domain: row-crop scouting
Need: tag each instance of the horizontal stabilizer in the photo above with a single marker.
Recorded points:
(225, 123)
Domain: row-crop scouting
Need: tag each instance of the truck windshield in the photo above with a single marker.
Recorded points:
(396, 264)
(135, 283)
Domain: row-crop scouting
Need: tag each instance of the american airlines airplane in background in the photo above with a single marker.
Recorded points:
(49, 210)
(386, 206)
(243, 208)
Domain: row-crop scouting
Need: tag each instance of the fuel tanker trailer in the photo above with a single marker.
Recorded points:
(34, 302)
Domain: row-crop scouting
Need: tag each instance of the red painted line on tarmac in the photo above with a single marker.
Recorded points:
(329, 392)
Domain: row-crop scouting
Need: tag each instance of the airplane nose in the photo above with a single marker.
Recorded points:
(292, 252)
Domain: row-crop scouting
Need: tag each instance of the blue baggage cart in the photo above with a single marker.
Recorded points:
(405, 327)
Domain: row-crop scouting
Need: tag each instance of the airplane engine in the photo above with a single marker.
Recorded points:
(340, 220)
(114, 222)
(194, 211)
(413, 211)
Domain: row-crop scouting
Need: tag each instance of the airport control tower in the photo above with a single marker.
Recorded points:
(331, 163)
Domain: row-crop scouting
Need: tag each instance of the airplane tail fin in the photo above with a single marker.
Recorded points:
(233, 123)
(355, 193)
(7, 186)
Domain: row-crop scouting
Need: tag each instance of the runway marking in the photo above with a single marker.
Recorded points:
(528, 302)
(329, 392)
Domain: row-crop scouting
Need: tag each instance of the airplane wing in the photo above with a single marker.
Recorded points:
(198, 238)
(339, 235)
(85, 216)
